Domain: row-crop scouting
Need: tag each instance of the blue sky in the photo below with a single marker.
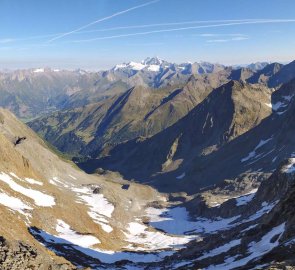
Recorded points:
(97, 34)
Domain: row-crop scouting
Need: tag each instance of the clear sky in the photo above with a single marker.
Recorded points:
(97, 34)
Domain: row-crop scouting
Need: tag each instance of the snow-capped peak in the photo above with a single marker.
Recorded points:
(136, 66)
(39, 70)
(155, 64)
(151, 64)
(152, 61)
(130, 65)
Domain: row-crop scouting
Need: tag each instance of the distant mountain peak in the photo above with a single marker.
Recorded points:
(156, 64)
(152, 61)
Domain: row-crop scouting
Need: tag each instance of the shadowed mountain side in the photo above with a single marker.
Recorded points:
(138, 112)
(261, 237)
(200, 149)
(283, 75)
(141, 111)
(263, 75)
(241, 74)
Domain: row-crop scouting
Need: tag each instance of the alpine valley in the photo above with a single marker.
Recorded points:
(148, 166)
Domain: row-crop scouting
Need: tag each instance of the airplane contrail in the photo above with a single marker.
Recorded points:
(243, 21)
(103, 19)
(165, 24)
(133, 27)
(184, 28)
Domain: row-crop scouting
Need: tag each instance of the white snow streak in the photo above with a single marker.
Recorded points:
(252, 154)
(39, 198)
(100, 208)
(14, 204)
(68, 234)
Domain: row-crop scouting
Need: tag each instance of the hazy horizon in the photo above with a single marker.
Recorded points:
(26, 67)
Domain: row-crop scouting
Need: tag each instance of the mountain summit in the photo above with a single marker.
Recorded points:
(153, 61)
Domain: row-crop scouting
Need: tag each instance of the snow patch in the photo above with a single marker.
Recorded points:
(154, 68)
(266, 208)
(246, 198)
(138, 234)
(256, 249)
(176, 221)
(104, 256)
(56, 182)
(39, 198)
(39, 70)
(250, 228)
(14, 204)
(219, 250)
(75, 238)
(33, 182)
(100, 208)
(15, 176)
(252, 154)
(181, 264)
(290, 168)
(136, 66)
(151, 64)
(180, 176)
(276, 107)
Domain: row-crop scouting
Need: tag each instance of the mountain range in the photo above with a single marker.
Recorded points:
(148, 166)
(34, 92)
(142, 111)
